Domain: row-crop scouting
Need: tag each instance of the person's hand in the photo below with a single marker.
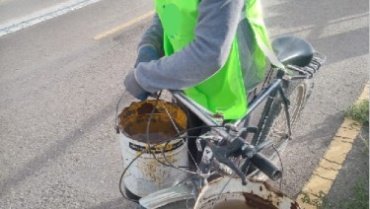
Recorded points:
(134, 88)
(146, 54)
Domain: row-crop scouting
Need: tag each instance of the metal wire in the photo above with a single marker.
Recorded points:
(171, 119)
(183, 139)
(149, 146)
(281, 165)
(226, 184)
(191, 156)
(123, 174)
(192, 129)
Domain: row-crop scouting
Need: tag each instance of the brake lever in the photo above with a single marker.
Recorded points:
(250, 151)
(222, 155)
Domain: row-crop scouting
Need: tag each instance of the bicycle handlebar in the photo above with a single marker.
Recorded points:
(239, 148)
(266, 166)
(222, 153)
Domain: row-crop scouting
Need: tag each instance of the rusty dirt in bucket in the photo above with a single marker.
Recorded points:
(252, 201)
(153, 121)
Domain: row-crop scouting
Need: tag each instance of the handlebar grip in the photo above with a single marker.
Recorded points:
(266, 166)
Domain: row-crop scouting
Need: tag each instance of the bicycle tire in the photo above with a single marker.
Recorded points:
(276, 128)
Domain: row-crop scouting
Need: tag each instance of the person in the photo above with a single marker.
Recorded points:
(214, 50)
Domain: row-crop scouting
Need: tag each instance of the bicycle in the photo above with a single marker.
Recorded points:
(224, 148)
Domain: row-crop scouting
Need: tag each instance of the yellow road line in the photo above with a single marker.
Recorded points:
(123, 26)
(326, 172)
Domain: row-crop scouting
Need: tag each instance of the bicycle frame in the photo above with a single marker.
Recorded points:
(268, 93)
(210, 120)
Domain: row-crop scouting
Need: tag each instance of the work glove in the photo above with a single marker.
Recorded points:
(134, 88)
(147, 53)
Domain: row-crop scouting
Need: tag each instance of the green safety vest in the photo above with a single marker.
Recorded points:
(225, 91)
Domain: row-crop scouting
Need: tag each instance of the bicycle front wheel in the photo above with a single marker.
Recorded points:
(276, 128)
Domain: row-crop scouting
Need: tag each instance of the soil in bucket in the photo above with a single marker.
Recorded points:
(248, 204)
(152, 121)
(234, 204)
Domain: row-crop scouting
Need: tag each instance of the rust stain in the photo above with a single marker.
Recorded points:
(255, 201)
(294, 205)
(156, 172)
(268, 187)
(151, 170)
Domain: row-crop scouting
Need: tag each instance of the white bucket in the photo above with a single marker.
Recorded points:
(146, 175)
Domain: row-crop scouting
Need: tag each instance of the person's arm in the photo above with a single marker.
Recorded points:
(204, 56)
(150, 46)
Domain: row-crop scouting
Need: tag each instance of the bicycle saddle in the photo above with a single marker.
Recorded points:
(293, 50)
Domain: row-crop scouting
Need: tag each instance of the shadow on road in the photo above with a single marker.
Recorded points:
(325, 130)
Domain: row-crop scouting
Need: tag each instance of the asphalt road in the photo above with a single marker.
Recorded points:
(59, 88)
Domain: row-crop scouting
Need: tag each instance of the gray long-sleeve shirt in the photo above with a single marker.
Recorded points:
(204, 56)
